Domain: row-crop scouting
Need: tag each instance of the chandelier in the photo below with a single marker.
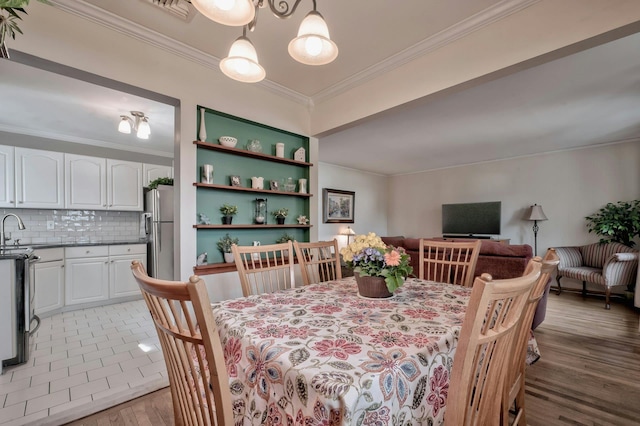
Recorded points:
(312, 46)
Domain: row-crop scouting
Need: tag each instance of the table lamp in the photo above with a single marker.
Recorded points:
(349, 233)
(536, 214)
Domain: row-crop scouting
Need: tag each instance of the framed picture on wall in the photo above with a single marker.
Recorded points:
(338, 206)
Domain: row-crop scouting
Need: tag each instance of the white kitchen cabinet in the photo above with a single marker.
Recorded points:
(7, 177)
(85, 182)
(151, 172)
(102, 184)
(39, 178)
(86, 274)
(49, 280)
(121, 280)
(124, 185)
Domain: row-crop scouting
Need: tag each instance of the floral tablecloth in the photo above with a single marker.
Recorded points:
(322, 355)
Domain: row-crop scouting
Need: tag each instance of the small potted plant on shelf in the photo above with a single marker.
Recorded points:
(280, 215)
(224, 244)
(283, 239)
(228, 210)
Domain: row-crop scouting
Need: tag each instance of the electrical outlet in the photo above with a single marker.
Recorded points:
(49, 225)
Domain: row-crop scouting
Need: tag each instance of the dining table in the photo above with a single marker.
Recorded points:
(322, 354)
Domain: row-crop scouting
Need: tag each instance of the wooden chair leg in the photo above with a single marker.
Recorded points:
(558, 281)
(584, 289)
(607, 305)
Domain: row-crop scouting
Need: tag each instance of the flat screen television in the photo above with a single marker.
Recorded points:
(471, 219)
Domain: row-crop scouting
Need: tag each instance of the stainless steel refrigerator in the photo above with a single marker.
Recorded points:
(159, 229)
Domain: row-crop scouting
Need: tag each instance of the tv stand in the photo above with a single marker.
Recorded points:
(470, 236)
(505, 241)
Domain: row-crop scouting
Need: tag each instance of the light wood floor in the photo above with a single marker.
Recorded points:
(589, 372)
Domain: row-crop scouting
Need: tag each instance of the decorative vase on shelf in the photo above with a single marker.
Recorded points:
(228, 258)
(226, 220)
(280, 220)
(202, 134)
(372, 287)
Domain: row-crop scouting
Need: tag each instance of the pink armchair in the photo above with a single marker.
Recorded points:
(608, 265)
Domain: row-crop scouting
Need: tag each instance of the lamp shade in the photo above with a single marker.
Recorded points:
(536, 213)
(242, 62)
(235, 13)
(143, 129)
(125, 124)
(313, 46)
(348, 231)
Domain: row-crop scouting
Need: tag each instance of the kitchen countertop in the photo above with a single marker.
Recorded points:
(23, 250)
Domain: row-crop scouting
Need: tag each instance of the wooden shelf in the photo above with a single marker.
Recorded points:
(243, 189)
(219, 268)
(251, 226)
(250, 154)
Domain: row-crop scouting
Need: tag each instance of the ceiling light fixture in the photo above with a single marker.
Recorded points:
(312, 46)
(140, 123)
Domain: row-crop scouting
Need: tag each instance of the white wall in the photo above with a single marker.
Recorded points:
(370, 201)
(569, 185)
(55, 35)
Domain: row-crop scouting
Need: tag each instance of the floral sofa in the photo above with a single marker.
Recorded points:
(500, 260)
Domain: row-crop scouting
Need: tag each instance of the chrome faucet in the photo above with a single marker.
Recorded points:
(2, 233)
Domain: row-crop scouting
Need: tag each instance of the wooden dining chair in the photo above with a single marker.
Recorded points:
(452, 262)
(514, 389)
(484, 348)
(191, 346)
(319, 261)
(264, 269)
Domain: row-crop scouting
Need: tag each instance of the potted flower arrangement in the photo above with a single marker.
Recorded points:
(228, 210)
(280, 215)
(379, 269)
(224, 244)
(618, 222)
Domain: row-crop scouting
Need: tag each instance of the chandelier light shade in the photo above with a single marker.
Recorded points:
(234, 13)
(313, 46)
(242, 63)
(140, 123)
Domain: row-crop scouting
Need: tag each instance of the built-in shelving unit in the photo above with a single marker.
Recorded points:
(245, 164)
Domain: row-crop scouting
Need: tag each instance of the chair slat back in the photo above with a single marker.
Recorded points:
(191, 346)
(264, 269)
(452, 262)
(319, 261)
(514, 389)
(484, 348)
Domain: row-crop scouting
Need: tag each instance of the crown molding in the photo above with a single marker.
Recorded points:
(83, 141)
(131, 29)
(436, 41)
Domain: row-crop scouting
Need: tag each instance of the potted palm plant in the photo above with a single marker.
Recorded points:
(10, 11)
(280, 215)
(228, 210)
(224, 244)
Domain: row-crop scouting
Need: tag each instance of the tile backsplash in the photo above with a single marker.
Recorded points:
(71, 226)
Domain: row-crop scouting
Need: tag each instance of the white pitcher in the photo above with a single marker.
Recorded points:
(256, 244)
(257, 183)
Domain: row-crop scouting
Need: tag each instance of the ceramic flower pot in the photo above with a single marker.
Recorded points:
(228, 258)
(280, 220)
(374, 287)
(226, 220)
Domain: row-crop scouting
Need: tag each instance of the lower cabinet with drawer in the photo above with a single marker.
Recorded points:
(121, 281)
(49, 280)
(99, 273)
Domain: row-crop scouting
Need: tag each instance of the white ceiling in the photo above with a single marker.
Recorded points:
(585, 99)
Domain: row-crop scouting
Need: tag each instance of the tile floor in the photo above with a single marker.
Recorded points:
(83, 362)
